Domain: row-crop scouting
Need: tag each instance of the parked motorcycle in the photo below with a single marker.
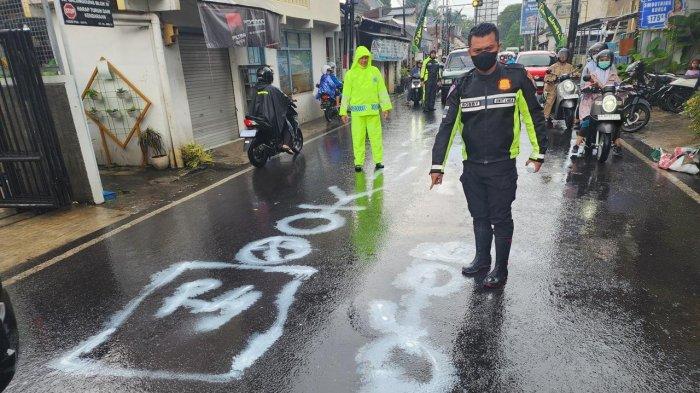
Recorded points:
(636, 110)
(261, 141)
(567, 98)
(416, 92)
(606, 118)
(679, 91)
(329, 107)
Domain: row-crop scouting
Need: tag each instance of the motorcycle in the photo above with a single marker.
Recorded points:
(679, 91)
(329, 107)
(261, 143)
(416, 92)
(566, 100)
(606, 118)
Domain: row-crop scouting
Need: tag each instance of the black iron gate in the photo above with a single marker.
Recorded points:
(32, 172)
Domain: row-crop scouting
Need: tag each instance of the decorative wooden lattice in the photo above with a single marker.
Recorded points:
(116, 106)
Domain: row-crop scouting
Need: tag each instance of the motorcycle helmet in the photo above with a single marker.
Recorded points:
(596, 48)
(264, 74)
(325, 69)
(565, 53)
(604, 59)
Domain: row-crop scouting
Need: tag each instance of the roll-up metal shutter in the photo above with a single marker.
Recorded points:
(209, 91)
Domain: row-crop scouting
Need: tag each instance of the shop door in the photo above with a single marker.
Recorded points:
(209, 91)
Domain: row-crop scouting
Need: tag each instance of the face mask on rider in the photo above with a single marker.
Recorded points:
(604, 64)
(485, 60)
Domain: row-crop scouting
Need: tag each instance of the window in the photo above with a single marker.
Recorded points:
(294, 62)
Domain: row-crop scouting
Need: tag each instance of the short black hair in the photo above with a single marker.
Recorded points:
(482, 30)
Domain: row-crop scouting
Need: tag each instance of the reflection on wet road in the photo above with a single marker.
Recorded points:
(307, 277)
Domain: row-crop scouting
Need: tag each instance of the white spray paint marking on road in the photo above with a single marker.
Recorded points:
(265, 255)
(403, 329)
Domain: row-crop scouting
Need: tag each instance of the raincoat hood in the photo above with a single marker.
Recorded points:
(361, 51)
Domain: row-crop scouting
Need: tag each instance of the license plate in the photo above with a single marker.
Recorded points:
(447, 81)
(614, 116)
(248, 133)
(539, 84)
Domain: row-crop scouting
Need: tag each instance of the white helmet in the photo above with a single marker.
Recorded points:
(325, 69)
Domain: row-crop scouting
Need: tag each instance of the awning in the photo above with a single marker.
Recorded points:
(227, 26)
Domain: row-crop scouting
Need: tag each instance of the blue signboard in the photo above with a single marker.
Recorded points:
(654, 14)
(528, 17)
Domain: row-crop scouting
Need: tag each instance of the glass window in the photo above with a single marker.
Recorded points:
(295, 63)
(459, 61)
(536, 59)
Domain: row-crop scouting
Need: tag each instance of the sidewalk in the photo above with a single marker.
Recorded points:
(139, 191)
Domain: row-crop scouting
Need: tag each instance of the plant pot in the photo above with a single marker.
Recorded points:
(135, 113)
(115, 115)
(95, 97)
(160, 162)
(124, 95)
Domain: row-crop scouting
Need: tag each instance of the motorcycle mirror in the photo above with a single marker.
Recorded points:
(586, 78)
(548, 71)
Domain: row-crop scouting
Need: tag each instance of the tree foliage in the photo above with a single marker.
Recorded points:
(509, 25)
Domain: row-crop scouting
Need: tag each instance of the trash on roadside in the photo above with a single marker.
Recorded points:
(656, 154)
(109, 195)
(683, 159)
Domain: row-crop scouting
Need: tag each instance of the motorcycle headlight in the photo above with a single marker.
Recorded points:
(609, 103)
(568, 87)
(447, 81)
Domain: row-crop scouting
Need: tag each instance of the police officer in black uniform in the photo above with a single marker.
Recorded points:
(488, 105)
(430, 74)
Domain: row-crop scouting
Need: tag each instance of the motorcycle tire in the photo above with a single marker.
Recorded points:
(257, 155)
(637, 112)
(416, 103)
(604, 150)
(331, 114)
(298, 140)
(569, 118)
(675, 103)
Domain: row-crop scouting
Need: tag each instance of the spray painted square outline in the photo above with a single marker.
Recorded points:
(258, 344)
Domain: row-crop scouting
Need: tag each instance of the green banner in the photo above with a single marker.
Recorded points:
(553, 23)
(420, 25)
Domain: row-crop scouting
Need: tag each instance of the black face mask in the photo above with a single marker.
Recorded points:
(484, 60)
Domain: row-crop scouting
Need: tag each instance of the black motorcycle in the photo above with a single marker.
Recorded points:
(329, 107)
(636, 110)
(261, 141)
(415, 93)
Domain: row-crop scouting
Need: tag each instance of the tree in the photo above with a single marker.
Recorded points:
(509, 25)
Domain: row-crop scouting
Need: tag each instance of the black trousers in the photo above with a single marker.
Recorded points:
(490, 191)
(430, 94)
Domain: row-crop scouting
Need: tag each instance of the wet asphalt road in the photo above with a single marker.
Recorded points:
(365, 294)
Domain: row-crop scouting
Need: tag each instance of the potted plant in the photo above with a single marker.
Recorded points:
(133, 111)
(123, 94)
(95, 113)
(114, 113)
(93, 95)
(152, 140)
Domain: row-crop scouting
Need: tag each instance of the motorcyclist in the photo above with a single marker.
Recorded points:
(593, 51)
(327, 85)
(414, 73)
(271, 103)
(334, 77)
(603, 74)
(561, 67)
(506, 58)
(430, 74)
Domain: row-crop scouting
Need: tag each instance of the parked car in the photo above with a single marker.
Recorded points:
(536, 63)
(9, 339)
(457, 64)
(513, 49)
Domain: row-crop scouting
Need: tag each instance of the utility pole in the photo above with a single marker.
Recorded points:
(403, 12)
(573, 26)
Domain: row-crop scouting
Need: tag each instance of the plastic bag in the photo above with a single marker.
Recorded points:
(684, 163)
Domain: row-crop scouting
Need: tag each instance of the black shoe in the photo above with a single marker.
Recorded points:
(499, 275)
(379, 166)
(482, 260)
(358, 168)
(550, 124)
(617, 151)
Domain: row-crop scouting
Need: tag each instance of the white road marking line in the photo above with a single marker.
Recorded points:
(14, 279)
(673, 179)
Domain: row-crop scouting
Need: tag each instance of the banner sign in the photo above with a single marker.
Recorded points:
(227, 26)
(389, 50)
(553, 24)
(420, 25)
(653, 15)
(528, 17)
(87, 13)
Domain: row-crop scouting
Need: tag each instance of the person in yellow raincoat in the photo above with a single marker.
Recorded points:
(365, 95)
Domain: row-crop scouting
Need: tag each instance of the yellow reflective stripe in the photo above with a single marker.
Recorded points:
(515, 146)
(263, 92)
(529, 124)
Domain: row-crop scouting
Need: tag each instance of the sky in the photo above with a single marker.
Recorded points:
(501, 4)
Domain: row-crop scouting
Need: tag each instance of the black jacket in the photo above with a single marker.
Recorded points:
(432, 71)
(272, 104)
(487, 107)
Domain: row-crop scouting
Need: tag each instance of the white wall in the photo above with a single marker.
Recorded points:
(129, 46)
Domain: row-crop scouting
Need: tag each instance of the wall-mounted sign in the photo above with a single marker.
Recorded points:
(389, 50)
(227, 26)
(655, 14)
(87, 13)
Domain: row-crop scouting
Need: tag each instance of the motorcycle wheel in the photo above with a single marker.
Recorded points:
(604, 150)
(636, 118)
(416, 103)
(675, 103)
(256, 154)
(569, 118)
(331, 114)
(298, 140)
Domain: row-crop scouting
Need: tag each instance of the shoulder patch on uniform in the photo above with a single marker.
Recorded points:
(504, 84)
